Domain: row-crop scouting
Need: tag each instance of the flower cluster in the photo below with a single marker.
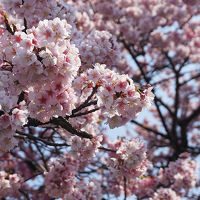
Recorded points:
(9, 123)
(9, 184)
(46, 52)
(61, 183)
(180, 174)
(130, 159)
(165, 193)
(35, 11)
(84, 150)
(99, 47)
(44, 63)
(119, 98)
(143, 186)
(86, 191)
(61, 176)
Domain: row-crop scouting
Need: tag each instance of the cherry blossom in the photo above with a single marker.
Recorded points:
(69, 68)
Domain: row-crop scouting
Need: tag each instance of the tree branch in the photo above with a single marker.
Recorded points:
(86, 103)
(60, 121)
(82, 113)
(24, 136)
(150, 129)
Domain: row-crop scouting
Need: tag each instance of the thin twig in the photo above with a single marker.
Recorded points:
(150, 129)
(60, 121)
(106, 149)
(31, 137)
(83, 113)
(32, 177)
(38, 139)
(85, 104)
(25, 194)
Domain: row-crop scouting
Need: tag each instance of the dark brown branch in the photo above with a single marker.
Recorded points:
(173, 133)
(34, 138)
(161, 116)
(165, 105)
(106, 149)
(183, 64)
(21, 97)
(192, 78)
(176, 107)
(42, 156)
(147, 80)
(32, 177)
(60, 121)
(25, 25)
(184, 23)
(194, 150)
(8, 27)
(34, 122)
(136, 61)
(82, 113)
(170, 61)
(86, 103)
(150, 129)
(188, 119)
(25, 194)
(173, 77)
(163, 80)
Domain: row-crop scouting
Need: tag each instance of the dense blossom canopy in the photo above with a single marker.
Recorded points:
(69, 68)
